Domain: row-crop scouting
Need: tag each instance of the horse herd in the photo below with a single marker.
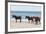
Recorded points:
(36, 19)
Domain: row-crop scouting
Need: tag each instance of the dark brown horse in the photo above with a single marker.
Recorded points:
(29, 18)
(17, 17)
(37, 19)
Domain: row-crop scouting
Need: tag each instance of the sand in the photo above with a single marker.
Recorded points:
(23, 24)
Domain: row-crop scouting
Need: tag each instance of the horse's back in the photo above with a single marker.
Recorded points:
(18, 17)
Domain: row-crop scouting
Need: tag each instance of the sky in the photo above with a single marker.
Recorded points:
(21, 10)
(25, 8)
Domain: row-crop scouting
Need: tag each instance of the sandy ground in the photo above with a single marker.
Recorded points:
(23, 24)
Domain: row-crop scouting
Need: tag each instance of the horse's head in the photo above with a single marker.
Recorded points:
(26, 17)
(13, 15)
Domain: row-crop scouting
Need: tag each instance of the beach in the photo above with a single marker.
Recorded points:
(23, 24)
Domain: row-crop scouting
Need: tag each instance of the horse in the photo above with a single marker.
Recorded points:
(29, 18)
(17, 17)
(37, 19)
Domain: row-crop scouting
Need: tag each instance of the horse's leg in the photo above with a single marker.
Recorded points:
(20, 20)
(36, 22)
(16, 20)
(39, 22)
(29, 21)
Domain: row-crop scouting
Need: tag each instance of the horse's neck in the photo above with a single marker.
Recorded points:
(15, 16)
(27, 17)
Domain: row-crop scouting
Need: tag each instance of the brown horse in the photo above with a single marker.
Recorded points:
(29, 18)
(36, 19)
(17, 17)
(32, 18)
